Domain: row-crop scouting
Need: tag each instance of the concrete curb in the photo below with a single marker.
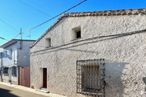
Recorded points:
(31, 90)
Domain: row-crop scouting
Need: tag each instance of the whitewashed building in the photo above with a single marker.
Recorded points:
(15, 55)
(93, 54)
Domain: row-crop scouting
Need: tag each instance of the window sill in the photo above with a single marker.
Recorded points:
(14, 76)
(49, 47)
(92, 94)
(6, 74)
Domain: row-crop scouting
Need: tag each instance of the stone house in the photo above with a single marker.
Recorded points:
(14, 60)
(99, 54)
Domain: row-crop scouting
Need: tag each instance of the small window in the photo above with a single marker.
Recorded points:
(10, 53)
(6, 53)
(48, 42)
(6, 71)
(14, 71)
(77, 33)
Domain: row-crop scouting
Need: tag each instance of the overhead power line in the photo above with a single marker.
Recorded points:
(57, 15)
(8, 24)
(17, 35)
(3, 38)
(12, 27)
(35, 8)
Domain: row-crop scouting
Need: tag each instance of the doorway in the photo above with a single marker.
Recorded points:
(44, 77)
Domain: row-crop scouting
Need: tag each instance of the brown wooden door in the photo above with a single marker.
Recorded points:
(24, 76)
(44, 77)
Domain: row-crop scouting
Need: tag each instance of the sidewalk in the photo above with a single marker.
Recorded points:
(31, 90)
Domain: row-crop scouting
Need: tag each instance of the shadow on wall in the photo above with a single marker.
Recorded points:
(6, 93)
(114, 86)
(113, 79)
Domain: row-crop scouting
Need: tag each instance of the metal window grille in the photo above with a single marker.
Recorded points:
(90, 77)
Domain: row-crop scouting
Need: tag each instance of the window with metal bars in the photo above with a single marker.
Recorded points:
(90, 77)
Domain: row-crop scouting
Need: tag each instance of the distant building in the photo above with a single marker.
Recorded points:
(15, 61)
(92, 54)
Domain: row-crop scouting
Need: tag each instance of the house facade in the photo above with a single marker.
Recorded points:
(14, 57)
(92, 54)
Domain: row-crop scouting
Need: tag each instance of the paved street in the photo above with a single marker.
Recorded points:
(6, 91)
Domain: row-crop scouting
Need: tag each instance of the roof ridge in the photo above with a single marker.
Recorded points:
(107, 12)
(13, 41)
(112, 10)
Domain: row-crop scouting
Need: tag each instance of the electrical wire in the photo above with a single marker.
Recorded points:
(36, 9)
(8, 24)
(57, 15)
(3, 38)
(11, 26)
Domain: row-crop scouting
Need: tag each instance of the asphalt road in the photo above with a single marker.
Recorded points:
(6, 91)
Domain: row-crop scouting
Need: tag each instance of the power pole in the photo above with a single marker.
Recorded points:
(21, 36)
(30, 35)
(21, 43)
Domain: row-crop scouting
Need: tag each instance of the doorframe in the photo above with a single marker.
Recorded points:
(44, 78)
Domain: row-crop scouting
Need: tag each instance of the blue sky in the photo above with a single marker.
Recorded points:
(16, 14)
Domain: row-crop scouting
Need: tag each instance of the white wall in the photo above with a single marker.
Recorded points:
(19, 57)
(121, 47)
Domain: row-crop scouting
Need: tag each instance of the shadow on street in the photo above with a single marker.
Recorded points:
(6, 93)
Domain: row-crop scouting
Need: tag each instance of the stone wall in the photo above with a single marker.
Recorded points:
(120, 40)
